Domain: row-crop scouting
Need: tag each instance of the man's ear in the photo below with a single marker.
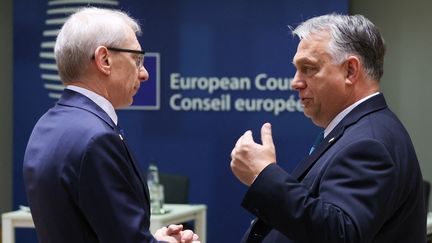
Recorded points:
(102, 60)
(352, 69)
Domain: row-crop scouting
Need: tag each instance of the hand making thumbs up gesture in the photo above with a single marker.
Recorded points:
(248, 158)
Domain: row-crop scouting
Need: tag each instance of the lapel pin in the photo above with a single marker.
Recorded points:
(121, 137)
(331, 140)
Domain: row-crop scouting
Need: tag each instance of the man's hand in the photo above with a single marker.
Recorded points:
(174, 234)
(248, 158)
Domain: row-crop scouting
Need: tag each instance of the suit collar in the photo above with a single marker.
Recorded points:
(371, 105)
(74, 99)
(100, 100)
(77, 100)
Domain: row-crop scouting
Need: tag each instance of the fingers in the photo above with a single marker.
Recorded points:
(174, 229)
(161, 231)
(266, 135)
(174, 233)
(189, 236)
(248, 158)
(247, 136)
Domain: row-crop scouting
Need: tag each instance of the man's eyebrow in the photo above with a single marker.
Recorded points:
(303, 60)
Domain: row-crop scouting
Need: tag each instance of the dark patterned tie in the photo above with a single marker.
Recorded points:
(318, 140)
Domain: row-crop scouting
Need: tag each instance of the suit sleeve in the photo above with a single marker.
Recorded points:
(111, 195)
(348, 205)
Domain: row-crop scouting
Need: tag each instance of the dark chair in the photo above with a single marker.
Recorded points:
(176, 188)
(176, 191)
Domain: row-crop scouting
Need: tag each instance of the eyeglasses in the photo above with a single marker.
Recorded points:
(140, 54)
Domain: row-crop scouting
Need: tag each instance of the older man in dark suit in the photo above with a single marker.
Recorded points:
(82, 182)
(362, 181)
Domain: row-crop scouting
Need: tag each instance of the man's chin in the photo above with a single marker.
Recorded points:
(123, 106)
(307, 113)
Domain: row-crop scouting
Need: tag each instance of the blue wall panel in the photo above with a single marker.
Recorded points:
(204, 39)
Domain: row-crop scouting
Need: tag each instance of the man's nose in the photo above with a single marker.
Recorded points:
(143, 74)
(298, 83)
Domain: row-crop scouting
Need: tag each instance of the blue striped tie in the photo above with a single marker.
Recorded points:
(318, 140)
(120, 131)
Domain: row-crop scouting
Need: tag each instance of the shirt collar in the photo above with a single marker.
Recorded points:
(345, 112)
(103, 103)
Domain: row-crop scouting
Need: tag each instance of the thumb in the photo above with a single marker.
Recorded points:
(266, 135)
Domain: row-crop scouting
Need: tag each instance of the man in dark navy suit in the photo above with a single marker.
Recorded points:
(362, 181)
(82, 182)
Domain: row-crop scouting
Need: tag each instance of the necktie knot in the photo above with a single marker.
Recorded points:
(318, 140)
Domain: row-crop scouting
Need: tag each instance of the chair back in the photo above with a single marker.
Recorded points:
(176, 188)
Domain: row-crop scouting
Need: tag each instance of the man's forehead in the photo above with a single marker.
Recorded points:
(133, 42)
(131, 37)
(305, 55)
(311, 49)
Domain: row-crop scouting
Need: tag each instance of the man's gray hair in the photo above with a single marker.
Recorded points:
(350, 35)
(83, 32)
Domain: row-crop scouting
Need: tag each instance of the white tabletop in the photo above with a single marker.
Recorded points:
(429, 223)
(176, 214)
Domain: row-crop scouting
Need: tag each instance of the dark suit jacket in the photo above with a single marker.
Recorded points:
(82, 182)
(361, 184)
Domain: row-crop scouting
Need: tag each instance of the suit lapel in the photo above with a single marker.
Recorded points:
(373, 104)
(304, 166)
(135, 167)
(77, 100)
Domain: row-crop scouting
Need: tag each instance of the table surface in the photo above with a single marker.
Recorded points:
(18, 215)
(429, 223)
(176, 210)
(175, 213)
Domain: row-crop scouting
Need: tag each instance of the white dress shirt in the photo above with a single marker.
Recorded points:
(99, 100)
(342, 114)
